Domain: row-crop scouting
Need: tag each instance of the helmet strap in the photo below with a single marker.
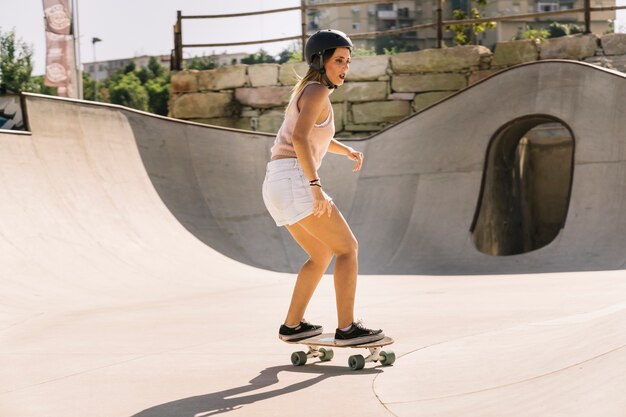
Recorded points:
(322, 71)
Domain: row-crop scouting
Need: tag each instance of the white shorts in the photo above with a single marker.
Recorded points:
(286, 192)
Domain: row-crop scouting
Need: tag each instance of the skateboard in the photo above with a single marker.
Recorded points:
(321, 347)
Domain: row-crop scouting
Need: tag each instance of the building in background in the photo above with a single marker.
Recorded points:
(399, 14)
(381, 17)
(101, 70)
(507, 30)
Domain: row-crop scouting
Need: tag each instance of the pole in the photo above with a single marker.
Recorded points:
(439, 24)
(178, 42)
(303, 22)
(95, 77)
(77, 63)
(95, 71)
(587, 16)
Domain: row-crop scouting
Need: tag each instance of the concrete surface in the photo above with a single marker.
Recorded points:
(413, 203)
(116, 298)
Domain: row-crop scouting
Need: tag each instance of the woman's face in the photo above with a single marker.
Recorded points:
(338, 65)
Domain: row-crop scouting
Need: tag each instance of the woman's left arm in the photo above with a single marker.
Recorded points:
(341, 149)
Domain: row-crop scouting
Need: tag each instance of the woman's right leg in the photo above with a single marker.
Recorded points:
(335, 233)
(310, 273)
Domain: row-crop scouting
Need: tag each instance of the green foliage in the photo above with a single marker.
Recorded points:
(575, 29)
(144, 89)
(129, 92)
(143, 74)
(130, 67)
(16, 63)
(41, 88)
(536, 35)
(391, 44)
(158, 94)
(261, 57)
(464, 34)
(88, 88)
(156, 69)
(556, 30)
(201, 63)
(363, 52)
(296, 56)
(286, 55)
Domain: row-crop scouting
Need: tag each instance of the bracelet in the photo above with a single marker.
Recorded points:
(315, 183)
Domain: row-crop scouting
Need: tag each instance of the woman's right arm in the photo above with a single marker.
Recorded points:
(312, 103)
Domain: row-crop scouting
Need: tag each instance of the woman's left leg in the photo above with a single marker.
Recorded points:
(310, 274)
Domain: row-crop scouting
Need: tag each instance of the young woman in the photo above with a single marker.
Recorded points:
(294, 196)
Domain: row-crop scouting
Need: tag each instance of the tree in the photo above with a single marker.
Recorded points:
(464, 34)
(285, 55)
(158, 90)
(202, 63)
(296, 56)
(536, 35)
(363, 52)
(261, 57)
(130, 67)
(88, 88)
(41, 88)
(16, 63)
(156, 69)
(556, 30)
(143, 74)
(129, 92)
(144, 89)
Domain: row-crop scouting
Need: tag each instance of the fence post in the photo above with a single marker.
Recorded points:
(178, 41)
(587, 16)
(303, 18)
(439, 24)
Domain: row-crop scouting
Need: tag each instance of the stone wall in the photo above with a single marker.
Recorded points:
(379, 91)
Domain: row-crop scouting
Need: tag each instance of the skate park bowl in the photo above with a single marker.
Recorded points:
(142, 276)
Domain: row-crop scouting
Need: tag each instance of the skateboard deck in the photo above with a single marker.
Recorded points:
(318, 349)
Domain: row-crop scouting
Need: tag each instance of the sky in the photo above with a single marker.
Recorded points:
(130, 28)
(620, 20)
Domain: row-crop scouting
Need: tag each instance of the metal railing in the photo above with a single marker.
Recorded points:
(439, 25)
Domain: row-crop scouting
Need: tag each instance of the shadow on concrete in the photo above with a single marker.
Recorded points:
(221, 402)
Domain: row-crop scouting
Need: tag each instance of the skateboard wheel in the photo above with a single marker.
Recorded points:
(356, 362)
(387, 358)
(326, 354)
(298, 358)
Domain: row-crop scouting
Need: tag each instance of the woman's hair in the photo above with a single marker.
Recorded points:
(311, 75)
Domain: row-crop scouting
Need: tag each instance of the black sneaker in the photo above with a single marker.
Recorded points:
(304, 330)
(357, 334)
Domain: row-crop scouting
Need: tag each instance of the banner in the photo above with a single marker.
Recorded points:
(58, 16)
(60, 54)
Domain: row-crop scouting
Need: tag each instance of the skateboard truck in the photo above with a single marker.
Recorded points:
(355, 362)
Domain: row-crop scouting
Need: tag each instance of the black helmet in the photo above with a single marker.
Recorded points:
(320, 42)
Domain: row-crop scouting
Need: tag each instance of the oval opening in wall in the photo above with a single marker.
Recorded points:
(526, 186)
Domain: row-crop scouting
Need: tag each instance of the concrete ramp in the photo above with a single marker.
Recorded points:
(79, 210)
(415, 205)
(116, 298)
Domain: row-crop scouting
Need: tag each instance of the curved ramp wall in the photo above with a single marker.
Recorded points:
(413, 204)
